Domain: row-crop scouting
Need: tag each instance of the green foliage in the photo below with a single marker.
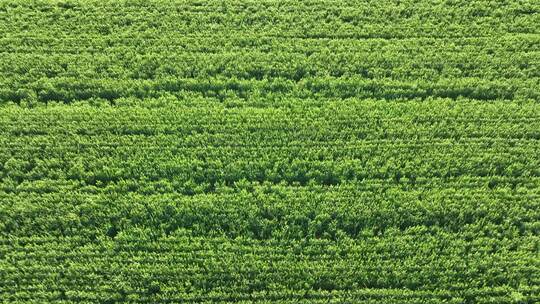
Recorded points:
(196, 151)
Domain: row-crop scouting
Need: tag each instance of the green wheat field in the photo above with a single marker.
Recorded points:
(270, 151)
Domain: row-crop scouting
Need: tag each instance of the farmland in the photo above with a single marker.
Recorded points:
(319, 151)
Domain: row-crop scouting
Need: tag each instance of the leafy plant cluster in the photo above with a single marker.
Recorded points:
(320, 151)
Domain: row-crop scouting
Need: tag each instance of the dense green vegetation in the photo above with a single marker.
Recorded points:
(201, 151)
